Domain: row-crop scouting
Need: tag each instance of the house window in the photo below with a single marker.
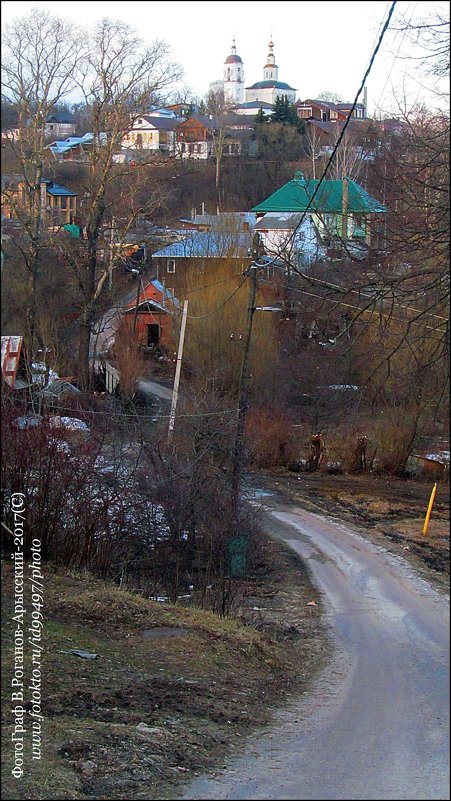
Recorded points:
(306, 113)
(324, 116)
(153, 335)
(170, 267)
(64, 202)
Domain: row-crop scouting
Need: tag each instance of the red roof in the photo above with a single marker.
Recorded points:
(11, 347)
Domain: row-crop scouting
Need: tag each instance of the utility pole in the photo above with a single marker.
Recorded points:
(110, 266)
(344, 210)
(243, 391)
(140, 285)
(178, 368)
(138, 292)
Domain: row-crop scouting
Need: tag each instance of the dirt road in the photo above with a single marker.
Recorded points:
(376, 724)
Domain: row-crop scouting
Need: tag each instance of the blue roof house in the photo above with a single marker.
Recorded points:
(202, 251)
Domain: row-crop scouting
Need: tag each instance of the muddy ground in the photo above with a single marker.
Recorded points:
(174, 689)
(389, 511)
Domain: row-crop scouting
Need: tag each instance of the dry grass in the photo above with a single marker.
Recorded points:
(197, 693)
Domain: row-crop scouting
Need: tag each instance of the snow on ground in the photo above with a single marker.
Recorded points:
(71, 423)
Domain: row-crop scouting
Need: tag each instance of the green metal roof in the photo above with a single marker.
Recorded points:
(270, 85)
(297, 193)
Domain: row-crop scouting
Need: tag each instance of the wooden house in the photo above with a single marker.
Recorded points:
(58, 204)
(202, 253)
(326, 111)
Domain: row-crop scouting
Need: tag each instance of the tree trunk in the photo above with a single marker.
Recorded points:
(83, 354)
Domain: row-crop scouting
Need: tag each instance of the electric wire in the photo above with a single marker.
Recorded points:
(343, 131)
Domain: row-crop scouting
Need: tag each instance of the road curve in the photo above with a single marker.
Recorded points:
(154, 388)
(376, 723)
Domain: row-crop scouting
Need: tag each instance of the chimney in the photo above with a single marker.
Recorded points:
(365, 101)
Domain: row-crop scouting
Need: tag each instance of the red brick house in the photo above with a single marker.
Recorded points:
(156, 309)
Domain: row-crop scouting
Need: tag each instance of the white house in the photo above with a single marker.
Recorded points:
(252, 108)
(283, 234)
(150, 132)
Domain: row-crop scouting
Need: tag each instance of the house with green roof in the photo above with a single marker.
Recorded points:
(317, 216)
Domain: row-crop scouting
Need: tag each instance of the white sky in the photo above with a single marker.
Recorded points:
(318, 45)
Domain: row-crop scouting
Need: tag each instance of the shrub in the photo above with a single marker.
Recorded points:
(270, 437)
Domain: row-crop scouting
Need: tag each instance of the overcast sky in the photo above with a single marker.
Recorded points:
(318, 45)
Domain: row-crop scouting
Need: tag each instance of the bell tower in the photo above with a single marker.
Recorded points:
(271, 70)
(234, 77)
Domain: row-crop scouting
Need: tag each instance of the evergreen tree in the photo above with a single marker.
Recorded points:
(285, 112)
(260, 117)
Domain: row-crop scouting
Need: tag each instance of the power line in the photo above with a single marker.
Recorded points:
(213, 311)
(136, 416)
(336, 302)
(207, 286)
(345, 290)
(377, 106)
(347, 121)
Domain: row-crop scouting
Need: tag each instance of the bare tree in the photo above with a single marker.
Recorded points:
(312, 147)
(121, 78)
(220, 109)
(129, 360)
(41, 54)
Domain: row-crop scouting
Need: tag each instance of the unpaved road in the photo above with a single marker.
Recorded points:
(376, 723)
(155, 388)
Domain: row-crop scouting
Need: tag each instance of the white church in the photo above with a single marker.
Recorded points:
(249, 99)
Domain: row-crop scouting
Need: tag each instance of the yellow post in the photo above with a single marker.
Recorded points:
(428, 513)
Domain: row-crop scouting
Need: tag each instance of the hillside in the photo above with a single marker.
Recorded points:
(170, 689)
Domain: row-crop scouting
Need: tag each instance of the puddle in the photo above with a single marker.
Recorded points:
(163, 632)
(260, 493)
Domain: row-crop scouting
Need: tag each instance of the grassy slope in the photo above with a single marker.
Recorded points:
(197, 692)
